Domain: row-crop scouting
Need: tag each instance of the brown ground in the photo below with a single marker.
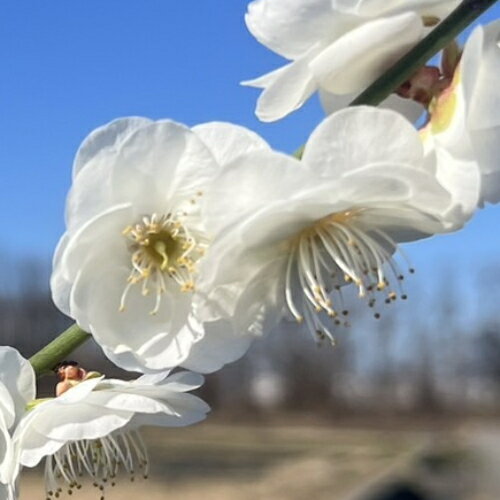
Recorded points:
(228, 462)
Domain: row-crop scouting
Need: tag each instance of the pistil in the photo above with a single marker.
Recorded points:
(162, 248)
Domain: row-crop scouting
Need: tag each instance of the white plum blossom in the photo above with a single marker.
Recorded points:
(126, 267)
(92, 429)
(292, 233)
(462, 137)
(336, 46)
(17, 389)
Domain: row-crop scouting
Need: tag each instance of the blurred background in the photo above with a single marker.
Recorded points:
(405, 407)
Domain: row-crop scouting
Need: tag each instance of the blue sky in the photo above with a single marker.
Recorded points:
(70, 66)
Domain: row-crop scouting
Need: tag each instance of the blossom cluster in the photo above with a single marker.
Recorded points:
(185, 245)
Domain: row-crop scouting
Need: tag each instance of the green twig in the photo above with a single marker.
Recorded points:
(464, 15)
(44, 361)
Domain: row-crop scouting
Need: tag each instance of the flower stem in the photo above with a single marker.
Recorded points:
(63, 345)
(464, 15)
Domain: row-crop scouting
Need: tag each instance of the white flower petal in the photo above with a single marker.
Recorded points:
(92, 191)
(191, 410)
(101, 234)
(220, 345)
(35, 447)
(462, 179)
(486, 147)
(355, 60)
(60, 287)
(187, 404)
(91, 194)
(373, 8)
(291, 27)
(250, 183)
(164, 160)
(106, 138)
(18, 377)
(150, 378)
(285, 90)
(6, 452)
(7, 408)
(128, 401)
(410, 109)
(490, 191)
(331, 102)
(480, 68)
(82, 421)
(227, 141)
(358, 136)
(386, 184)
(133, 338)
(183, 381)
(173, 159)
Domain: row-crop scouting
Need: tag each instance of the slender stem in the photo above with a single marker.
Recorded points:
(63, 345)
(464, 15)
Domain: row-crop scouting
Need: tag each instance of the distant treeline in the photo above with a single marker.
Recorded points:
(426, 355)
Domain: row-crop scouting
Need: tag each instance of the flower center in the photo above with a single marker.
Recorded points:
(100, 459)
(161, 247)
(337, 250)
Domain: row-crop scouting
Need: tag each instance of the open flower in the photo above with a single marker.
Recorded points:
(92, 429)
(462, 136)
(293, 233)
(336, 46)
(126, 268)
(17, 388)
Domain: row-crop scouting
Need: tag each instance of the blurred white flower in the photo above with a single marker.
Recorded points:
(126, 268)
(292, 233)
(92, 429)
(17, 389)
(336, 46)
(462, 136)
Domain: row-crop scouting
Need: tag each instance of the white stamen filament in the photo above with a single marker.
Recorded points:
(339, 244)
(101, 459)
(161, 247)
